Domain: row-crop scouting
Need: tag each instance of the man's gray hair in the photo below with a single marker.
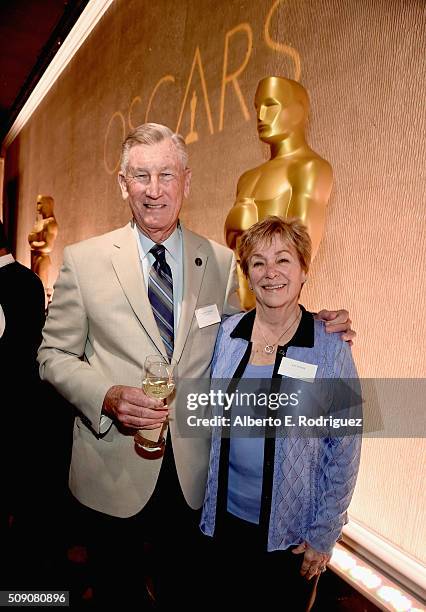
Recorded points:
(149, 134)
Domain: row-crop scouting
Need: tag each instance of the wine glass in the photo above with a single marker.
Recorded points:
(159, 382)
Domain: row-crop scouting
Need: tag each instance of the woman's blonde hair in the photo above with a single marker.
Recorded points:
(291, 231)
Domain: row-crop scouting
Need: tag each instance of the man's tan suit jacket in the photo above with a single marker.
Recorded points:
(99, 330)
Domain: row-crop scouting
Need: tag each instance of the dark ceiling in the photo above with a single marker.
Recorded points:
(31, 32)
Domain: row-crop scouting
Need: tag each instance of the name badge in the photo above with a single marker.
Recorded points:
(297, 369)
(208, 315)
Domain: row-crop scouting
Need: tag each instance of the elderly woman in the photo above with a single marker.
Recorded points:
(272, 498)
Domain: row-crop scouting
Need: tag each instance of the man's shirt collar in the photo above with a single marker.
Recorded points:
(172, 244)
(6, 259)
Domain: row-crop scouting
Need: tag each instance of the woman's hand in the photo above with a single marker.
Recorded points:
(313, 562)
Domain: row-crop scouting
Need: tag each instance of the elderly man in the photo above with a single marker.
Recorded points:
(100, 328)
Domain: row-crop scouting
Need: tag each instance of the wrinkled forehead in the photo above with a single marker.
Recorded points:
(158, 155)
(276, 88)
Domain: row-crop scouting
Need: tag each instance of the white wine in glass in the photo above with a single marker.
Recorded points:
(159, 382)
(158, 388)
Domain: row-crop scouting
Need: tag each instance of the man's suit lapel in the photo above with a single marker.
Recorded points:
(126, 263)
(192, 279)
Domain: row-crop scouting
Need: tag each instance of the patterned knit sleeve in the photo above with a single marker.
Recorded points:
(339, 457)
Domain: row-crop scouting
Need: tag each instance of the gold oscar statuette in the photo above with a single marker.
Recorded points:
(41, 239)
(294, 182)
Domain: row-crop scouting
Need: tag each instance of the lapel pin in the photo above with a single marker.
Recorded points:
(198, 262)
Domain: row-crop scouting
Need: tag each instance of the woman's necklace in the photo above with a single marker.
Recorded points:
(270, 348)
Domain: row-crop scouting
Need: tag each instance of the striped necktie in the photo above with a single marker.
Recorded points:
(160, 294)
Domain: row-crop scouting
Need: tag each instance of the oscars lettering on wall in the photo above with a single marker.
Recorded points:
(195, 102)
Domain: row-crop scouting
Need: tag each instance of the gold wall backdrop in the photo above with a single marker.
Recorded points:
(194, 65)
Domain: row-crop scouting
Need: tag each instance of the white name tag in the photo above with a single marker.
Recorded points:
(208, 315)
(297, 369)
